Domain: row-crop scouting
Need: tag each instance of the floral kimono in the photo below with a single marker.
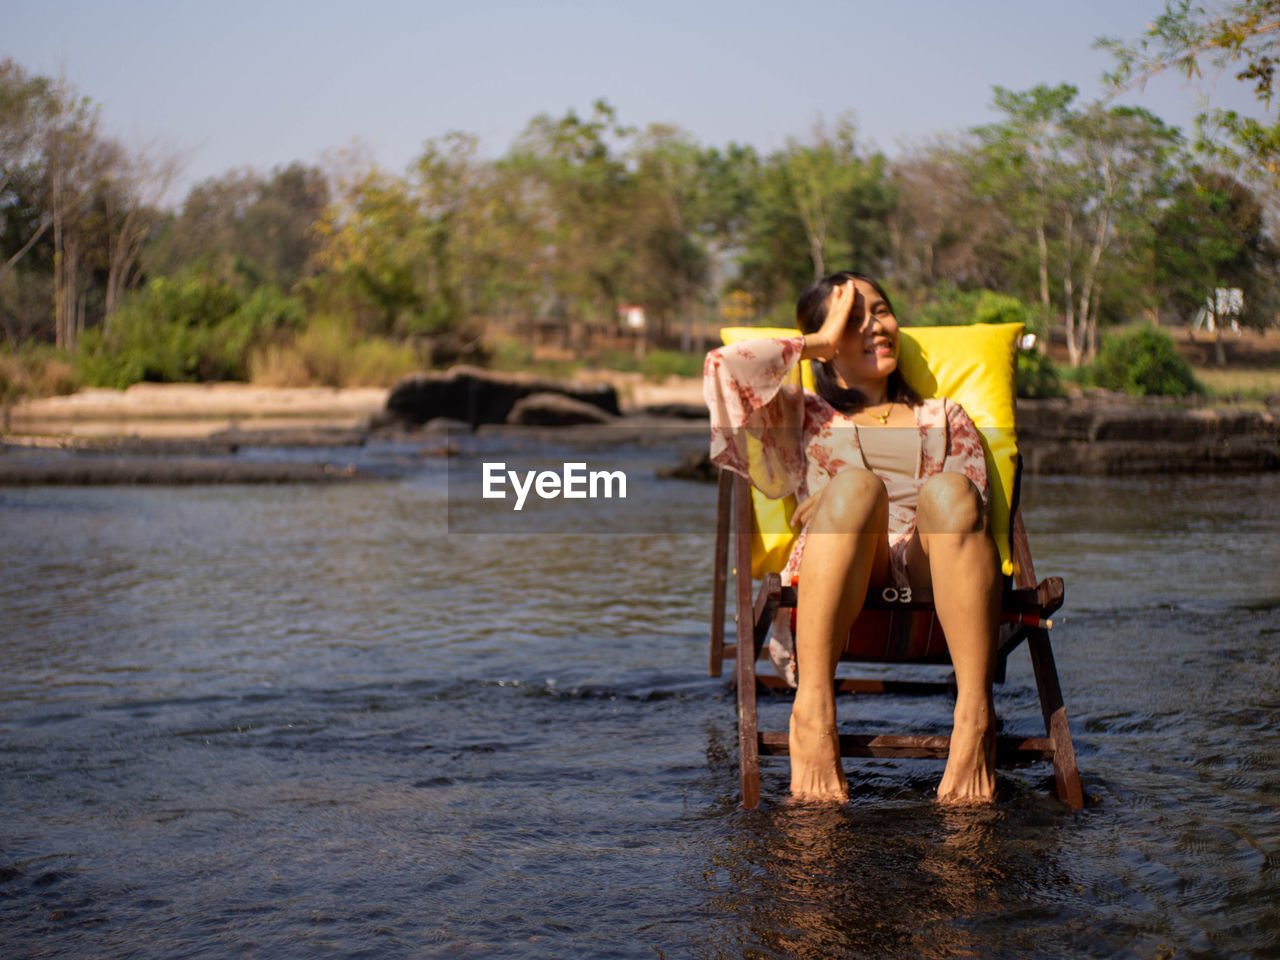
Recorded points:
(786, 440)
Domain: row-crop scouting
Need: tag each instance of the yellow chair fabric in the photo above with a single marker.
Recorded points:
(976, 366)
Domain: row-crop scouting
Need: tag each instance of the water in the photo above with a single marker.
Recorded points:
(300, 722)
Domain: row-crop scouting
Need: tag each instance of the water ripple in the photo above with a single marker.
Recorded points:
(291, 722)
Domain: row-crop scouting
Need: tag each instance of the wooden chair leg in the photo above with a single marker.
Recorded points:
(748, 730)
(1065, 773)
(748, 742)
(715, 662)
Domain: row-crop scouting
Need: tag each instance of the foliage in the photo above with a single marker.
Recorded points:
(327, 353)
(995, 307)
(815, 207)
(1213, 234)
(1144, 362)
(244, 228)
(75, 208)
(660, 364)
(1080, 187)
(1038, 375)
(187, 328)
(1088, 214)
(36, 370)
(1185, 37)
(949, 307)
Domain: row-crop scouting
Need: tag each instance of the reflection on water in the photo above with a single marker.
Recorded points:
(299, 721)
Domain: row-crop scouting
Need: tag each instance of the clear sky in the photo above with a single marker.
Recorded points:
(235, 83)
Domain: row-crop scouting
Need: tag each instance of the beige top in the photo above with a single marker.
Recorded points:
(894, 451)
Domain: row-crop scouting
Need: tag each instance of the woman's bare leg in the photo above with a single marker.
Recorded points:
(845, 547)
(953, 544)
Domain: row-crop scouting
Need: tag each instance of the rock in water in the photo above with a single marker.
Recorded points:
(554, 410)
(481, 396)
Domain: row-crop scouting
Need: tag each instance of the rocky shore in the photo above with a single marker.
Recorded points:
(171, 433)
(1107, 435)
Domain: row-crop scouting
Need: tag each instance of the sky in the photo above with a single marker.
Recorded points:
(237, 84)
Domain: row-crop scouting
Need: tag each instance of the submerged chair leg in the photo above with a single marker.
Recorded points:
(715, 660)
(748, 742)
(1065, 774)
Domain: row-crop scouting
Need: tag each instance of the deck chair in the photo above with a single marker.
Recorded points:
(976, 367)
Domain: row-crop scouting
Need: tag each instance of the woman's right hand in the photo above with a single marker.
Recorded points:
(806, 510)
(823, 344)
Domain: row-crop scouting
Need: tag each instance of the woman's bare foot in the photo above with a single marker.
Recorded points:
(970, 775)
(816, 772)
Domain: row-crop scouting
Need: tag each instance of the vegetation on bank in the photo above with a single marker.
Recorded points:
(1074, 217)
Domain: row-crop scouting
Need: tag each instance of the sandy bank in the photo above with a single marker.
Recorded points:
(193, 410)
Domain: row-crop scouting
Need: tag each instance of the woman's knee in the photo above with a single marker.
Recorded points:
(950, 503)
(855, 500)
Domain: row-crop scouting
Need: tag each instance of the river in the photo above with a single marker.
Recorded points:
(307, 721)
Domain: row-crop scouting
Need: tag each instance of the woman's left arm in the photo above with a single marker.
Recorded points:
(964, 450)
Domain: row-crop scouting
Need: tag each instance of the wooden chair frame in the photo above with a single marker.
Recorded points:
(1024, 602)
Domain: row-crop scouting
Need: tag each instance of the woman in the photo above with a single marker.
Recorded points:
(893, 491)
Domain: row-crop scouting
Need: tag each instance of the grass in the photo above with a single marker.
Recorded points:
(1238, 384)
(656, 365)
(36, 371)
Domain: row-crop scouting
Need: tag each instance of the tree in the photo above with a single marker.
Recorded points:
(1212, 234)
(940, 232)
(75, 158)
(1077, 186)
(1021, 164)
(1186, 38)
(374, 254)
(815, 207)
(245, 228)
(676, 228)
(1124, 165)
(75, 207)
(130, 190)
(27, 106)
(578, 196)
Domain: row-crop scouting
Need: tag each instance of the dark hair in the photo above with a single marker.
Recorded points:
(811, 311)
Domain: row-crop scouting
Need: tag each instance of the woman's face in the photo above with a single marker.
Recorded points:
(868, 350)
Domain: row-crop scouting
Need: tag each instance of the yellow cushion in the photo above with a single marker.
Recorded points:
(974, 365)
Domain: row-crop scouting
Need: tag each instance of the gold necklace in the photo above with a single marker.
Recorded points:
(882, 420)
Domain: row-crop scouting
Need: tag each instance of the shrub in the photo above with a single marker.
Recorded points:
(510, 354)
(1038, 376)
(950, 307)
(327, 353)
(660, 364)
(36, 371)
(185, 328)
(1144, 362)
(995, 307)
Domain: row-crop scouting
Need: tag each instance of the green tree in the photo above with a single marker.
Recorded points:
(27, 108)
(245, 228)
(1080, 188)
(676, 226)
(1213, 234)
(1187, 37)
(374, 254)
(815, 207)
(1020, 166)
(1124, 165)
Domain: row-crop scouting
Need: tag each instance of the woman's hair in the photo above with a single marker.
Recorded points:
(811, 311)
